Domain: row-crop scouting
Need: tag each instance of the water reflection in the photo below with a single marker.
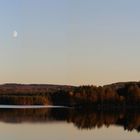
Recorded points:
(82, 119)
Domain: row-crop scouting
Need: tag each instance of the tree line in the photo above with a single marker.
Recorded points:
(128, 94)
(118, 95)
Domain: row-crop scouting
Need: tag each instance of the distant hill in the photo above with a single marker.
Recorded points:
(121, 94)
(11, 88)
(119, 85)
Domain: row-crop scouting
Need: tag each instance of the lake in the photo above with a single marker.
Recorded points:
(49, 123)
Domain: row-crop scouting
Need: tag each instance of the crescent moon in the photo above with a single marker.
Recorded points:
(15, 34)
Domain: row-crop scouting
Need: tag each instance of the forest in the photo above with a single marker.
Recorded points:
(125, 94)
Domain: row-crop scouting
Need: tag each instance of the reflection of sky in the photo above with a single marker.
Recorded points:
(69, 42)
(62, 131)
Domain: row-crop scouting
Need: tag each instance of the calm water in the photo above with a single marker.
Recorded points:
(68, 124)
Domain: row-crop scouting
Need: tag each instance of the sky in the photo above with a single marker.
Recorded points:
(73, 42)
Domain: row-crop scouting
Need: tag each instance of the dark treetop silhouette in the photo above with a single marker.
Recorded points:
(115, 95)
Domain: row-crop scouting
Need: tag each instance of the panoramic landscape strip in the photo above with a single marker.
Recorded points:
(117, 95)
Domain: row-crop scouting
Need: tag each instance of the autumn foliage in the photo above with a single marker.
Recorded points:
(114, 95)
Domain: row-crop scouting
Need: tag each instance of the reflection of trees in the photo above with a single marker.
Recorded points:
(130, 120)
(82, 119)
(92, 119)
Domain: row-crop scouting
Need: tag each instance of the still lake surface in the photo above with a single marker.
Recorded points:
(58, 123)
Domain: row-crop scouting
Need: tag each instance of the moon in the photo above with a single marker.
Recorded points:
(15, 34)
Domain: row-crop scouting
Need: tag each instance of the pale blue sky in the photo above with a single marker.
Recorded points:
(70, 41)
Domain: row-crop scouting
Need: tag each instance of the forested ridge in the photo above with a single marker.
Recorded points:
(117, 94)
